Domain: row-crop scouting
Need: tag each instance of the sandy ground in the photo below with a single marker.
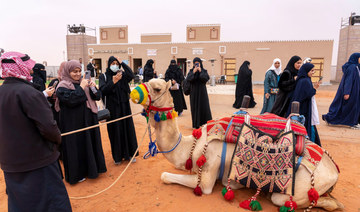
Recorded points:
(140, 188)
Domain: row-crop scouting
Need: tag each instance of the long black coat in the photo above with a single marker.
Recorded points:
(177, 95)
(121, 133)
(148, 73)
(82, 152)
(199, 100)
(244, 86)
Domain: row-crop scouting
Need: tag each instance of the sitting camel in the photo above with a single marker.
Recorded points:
(155, 96)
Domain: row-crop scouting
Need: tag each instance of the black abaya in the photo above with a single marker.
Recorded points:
(121, 133)
(82, 152)
(244, 86)
(175, 73)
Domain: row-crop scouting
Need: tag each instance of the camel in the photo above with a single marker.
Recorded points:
(167, 136)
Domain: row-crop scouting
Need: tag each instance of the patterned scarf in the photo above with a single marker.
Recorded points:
(15, 64)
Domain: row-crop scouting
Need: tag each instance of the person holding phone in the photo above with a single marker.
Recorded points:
(199, 100)
(304, 93)
(345, 108)
(82, 152)
(52, 97)
(114, 85)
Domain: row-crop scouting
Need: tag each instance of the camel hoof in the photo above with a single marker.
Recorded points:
(163, 178)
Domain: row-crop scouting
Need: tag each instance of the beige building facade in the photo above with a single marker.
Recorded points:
(77, 46)
(220, 57)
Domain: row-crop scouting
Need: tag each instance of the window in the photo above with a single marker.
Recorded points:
(121, 34)
(91, 51)
(222, 49)
(214, 33)
(130, 50)
(174, 50)
(103, 35)
(192, 33)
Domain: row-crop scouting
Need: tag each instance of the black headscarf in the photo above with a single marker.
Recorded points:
(196, 59)
(149, 64)
(290, 66)
(173, 66)
(108, 70)
(39, 72)
(304, 70)
(244, 68)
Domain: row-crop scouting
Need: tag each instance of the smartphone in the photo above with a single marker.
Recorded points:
(55, 84)
(87, 75)
(321, 77)
(197, 65)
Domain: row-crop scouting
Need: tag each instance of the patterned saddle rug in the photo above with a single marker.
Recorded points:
(262, 161)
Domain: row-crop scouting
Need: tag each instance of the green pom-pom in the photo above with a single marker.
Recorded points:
(255, 205)
(224, 191)
(163, 117)
(285, 209)
(147, 119)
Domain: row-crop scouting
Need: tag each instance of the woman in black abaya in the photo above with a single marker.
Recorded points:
(244, 86)
(176, 76)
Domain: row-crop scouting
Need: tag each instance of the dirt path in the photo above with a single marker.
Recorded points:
(140, 189)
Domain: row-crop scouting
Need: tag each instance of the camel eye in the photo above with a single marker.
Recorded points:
(157, 90)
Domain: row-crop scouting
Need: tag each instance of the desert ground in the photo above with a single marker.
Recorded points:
(140, 187)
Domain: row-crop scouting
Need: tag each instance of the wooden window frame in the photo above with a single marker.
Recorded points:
(122, 30)
(190, 31)
(217, 34)
(102, 35)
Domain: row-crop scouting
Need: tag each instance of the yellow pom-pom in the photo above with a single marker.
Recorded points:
(174, 114)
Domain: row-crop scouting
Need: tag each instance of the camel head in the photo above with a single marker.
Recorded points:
(153, 93)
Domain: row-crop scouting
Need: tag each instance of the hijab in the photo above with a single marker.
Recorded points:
(68, 82)
(173, 66)
(304, 70)
(39, 71)
(108, 70)
(16, 64)
(197, 59)
(149, 64)
(277, 70)
(290, 66)
(61, 69)
(354, 59)
(244, 68)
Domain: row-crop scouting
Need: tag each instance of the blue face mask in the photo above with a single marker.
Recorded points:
(114, 68)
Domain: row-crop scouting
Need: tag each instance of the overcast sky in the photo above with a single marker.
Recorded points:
(38, 28)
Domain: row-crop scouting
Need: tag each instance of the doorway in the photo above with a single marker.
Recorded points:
(181, 62)
(137, 63)
(98, 68)
(229, 67)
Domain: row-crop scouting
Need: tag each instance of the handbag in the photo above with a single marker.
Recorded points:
(103, 114)
(186, 87)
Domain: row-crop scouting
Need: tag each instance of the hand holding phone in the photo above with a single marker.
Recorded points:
(55, 84)
(87, 75)
(320, 79)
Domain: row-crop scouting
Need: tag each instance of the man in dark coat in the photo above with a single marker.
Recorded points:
(39, 77)
(149, 71)
(345, 108)
(91, 67)
(286, 86)
(176, 76)
(199, 100)
(29, 136)
(114, 85)
(244, 86)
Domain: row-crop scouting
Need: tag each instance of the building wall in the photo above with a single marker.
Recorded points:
(153, 38)
(77, 46)
(203, 32)
(113, 34)
(349, 43)
(260, 54)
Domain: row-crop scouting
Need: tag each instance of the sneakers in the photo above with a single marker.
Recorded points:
(356, 127)
(82, 180)
(117, 163)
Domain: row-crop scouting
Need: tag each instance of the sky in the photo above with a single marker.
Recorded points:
(39, 28)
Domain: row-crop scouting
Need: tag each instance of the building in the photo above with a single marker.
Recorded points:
(349, 42)
(220, 57)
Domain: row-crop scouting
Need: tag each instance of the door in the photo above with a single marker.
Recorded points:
(181, 62)
(137, 64)
(319, 68)
(230, 67)
(98, 67)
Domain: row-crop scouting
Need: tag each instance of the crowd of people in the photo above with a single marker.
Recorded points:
(70, 104)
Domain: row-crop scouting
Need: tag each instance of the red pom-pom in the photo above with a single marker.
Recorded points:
(291, 204)
(313, 195)
(189, 164)
(168, 115)
(197, 191)
(201, 161)
(197, 133)
(229, 195)
(245, 204)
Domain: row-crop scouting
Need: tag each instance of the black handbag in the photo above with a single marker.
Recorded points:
(186, 87)
(103, 114)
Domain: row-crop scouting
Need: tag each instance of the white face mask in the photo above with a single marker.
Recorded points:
(114, 68)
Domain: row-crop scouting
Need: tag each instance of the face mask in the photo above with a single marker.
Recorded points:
(114, 68)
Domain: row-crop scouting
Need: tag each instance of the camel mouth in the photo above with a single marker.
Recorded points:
(140, 94)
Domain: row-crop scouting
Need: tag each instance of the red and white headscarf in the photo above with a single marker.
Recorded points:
(15, 64)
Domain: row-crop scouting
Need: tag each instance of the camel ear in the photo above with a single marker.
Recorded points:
(168, 85)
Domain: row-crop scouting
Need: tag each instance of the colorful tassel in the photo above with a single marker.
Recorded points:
(245, 204)
(147, 119)
(223, 191)
(189, 164)
(313, 195)
(157, 117)
(197, 133)
(290, 206)
(197, 191)
(174, 114)
(201, 161)
(168, 115)
(229, 195)
(143, 113)
(285, 209)
(255, 205)
(163, 117)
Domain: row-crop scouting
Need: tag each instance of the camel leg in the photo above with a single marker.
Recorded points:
(329, 204)
(185, 180)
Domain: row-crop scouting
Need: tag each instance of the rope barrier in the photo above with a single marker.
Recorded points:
(100, 124)
(118, 178)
